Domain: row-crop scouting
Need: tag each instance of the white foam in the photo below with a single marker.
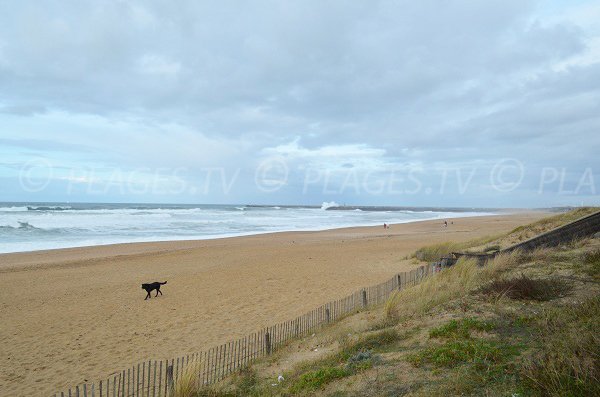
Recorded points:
(87, 226)
(13, 209)
(329, 204)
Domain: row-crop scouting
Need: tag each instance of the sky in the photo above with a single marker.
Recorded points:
(407, 103)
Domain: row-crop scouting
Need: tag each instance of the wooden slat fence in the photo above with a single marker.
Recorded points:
(156, 378)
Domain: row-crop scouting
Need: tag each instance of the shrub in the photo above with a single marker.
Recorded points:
(527, 288)
(361, 361)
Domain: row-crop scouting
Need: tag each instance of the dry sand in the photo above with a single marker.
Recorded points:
(79, 314)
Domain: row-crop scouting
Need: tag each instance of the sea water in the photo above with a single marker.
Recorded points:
(37, 226)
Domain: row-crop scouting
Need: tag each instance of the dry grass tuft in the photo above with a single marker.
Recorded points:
(527, 288)
(504, 261)
(592, 264)
(435, 251)
(188, 383)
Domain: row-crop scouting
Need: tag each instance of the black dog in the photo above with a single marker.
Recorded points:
(153, 286)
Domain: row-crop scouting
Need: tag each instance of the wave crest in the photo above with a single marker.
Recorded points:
(22, 226)
(48, 208)
(329, 204)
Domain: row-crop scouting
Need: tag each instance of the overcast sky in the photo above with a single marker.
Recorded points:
(445, 103)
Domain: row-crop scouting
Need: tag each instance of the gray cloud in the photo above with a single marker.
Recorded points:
(224, 84)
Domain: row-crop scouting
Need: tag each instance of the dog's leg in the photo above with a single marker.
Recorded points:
(148, 295)
(158, 292)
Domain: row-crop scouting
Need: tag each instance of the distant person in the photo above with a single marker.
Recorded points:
(445, 223)
(385, 226)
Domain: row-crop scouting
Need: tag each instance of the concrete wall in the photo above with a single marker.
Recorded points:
(580, 228)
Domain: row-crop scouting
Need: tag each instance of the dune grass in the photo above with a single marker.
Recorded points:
(567, 359)
(434, 252)
(187, 384)
(522, 233)
(591, 263)
(452, 283)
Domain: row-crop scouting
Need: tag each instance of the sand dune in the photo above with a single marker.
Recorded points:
(75, 314)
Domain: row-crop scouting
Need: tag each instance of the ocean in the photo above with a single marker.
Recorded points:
(38, 226)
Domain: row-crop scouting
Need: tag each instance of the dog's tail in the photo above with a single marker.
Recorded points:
(162, 283)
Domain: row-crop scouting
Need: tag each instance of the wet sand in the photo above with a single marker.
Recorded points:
(74, 314)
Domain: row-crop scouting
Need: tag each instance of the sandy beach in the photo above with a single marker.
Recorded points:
(74, 314)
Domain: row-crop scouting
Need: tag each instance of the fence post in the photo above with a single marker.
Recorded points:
(364, 298)
(268, 342)
(398, 278)
(170, 383)
(327, 315)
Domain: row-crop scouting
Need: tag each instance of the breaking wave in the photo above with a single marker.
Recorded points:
(51, 208)
(34, 226)
(329, 204)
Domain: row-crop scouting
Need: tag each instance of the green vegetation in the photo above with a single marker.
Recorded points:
(460, 328)
(483, 353)
(478, 360)
(361, 361)
(315, 379)
(353, 357)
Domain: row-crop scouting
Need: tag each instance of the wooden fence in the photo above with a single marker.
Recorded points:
(157, 378)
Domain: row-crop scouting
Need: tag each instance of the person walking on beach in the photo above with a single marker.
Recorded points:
(445, 223)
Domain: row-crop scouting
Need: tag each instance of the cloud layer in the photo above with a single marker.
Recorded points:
(422, 91)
